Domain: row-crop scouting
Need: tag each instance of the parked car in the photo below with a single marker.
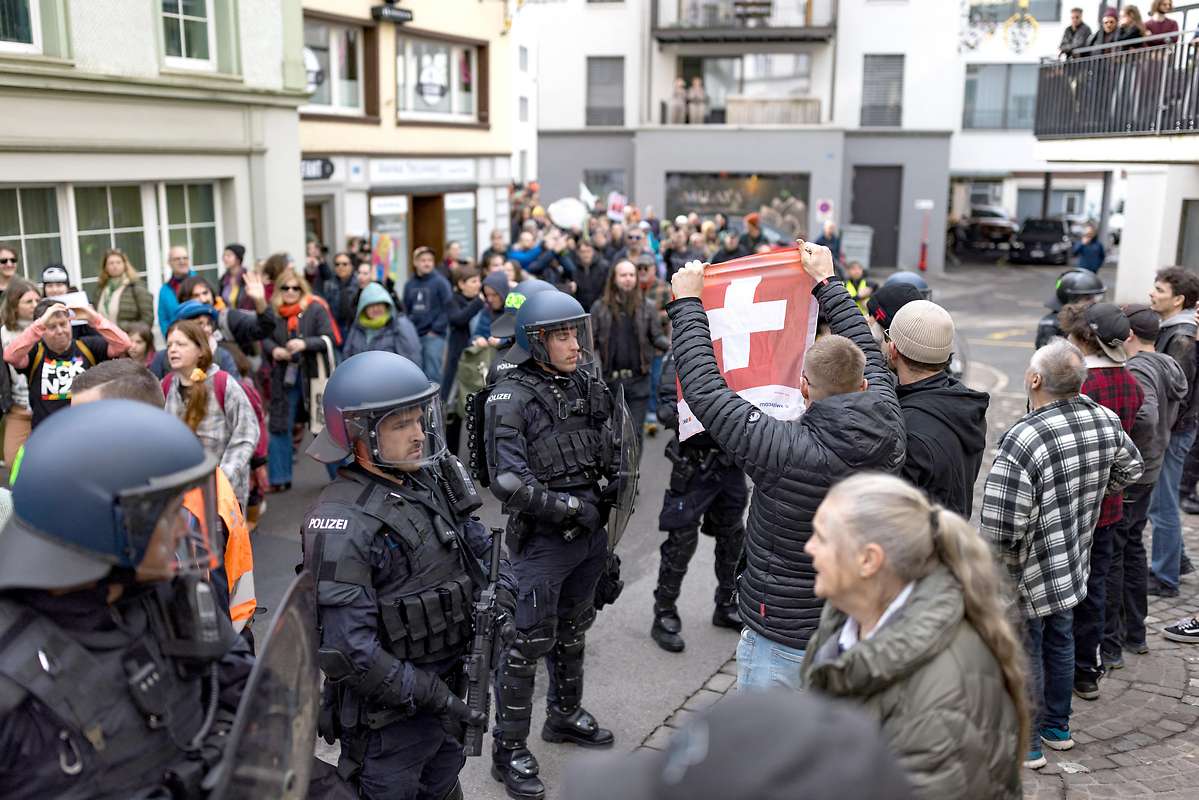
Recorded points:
(1042, 241)
(987, 229)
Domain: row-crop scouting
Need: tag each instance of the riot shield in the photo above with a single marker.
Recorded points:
(270, 748)
(625, 465)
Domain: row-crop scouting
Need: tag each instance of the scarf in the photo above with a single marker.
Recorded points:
(374, 324)
(110, 298)
(291, 312)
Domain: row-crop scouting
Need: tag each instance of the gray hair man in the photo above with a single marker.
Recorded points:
(1041, 503)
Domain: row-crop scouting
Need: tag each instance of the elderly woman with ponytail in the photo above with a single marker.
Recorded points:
(915, 630)
(211, 402)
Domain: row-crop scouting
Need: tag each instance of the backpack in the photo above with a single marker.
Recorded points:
(39, 355)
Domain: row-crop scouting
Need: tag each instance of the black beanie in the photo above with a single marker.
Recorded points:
(238, 250)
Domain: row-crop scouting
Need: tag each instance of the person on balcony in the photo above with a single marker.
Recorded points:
(678, 105)
(1076, 35)
(697, 102)
(1107, 29)
(1131, 27)
(1159, 22)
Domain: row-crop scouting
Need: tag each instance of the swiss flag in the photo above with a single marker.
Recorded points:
(763, 318)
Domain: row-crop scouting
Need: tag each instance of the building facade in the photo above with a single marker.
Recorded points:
(407, 135)
(144, 124)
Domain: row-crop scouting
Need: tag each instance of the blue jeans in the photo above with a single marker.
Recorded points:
(1049, 641)
(766, 664)
(279, 449)
(655, 378)
(1164, 513)
(432, 353)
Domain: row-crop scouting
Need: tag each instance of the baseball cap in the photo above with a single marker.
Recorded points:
(55, 273)
(886, 301)
(421, 251)
(1143, 320)
(923, 331)
(761, 745)
(1110, 327)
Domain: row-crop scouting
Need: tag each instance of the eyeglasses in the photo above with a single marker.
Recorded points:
(290, 289)
(8, 261)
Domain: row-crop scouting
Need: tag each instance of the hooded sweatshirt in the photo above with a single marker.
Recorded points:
(498, 282)
(396, 334)
(1165, 387)
(947, 434)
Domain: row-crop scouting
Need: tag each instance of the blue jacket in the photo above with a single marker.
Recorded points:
(1091, 255)
(168, 304)
(524, 257)
(397, 336)
(427, 301)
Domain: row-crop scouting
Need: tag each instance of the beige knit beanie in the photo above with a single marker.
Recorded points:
(923, 331)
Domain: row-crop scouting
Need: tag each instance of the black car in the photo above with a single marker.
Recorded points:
(988, 229)
(1042, 241)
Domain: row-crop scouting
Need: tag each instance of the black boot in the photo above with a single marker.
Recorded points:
(726, 615)
(578, 727)
(1185, 567)
(1189, 503)
(514, 766)
(666, 629)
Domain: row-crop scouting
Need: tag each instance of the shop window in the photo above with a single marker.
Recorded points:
(439, 81)
(20, 26)
(107, 217)
(333, 61)
(29, 223)
(191, 223)
(601, 182)
(189, 34)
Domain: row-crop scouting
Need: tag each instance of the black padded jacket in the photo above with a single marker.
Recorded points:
(792, 463)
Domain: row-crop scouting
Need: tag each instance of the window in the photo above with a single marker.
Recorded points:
(191, 222)
(188, 34)
(774, 76)
(882, 91)
(1000, 96)
(602, 181)
(524, 58)
(20, 26)
(437, 80)
(108, 216)
(605, 91)
(333, 57)
(29, 222)
(524, 109)
(996, 12)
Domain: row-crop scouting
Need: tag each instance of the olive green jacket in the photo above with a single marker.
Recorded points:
(936, 690)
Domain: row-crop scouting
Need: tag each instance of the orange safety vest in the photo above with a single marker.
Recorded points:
(239, 556)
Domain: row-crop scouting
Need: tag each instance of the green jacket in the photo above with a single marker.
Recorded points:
(936, 690)
(136, 305)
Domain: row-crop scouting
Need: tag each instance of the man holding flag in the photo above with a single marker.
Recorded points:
(852, 423)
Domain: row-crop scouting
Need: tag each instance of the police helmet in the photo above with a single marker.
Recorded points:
(105, 485)
(1074, 285)
(546, 316)
(385, 401)
(912, 279)
(504, 327)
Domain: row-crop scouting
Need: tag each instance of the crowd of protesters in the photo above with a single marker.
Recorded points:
(964, 642)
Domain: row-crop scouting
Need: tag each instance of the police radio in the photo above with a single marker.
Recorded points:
(464, 497)
(199, 630)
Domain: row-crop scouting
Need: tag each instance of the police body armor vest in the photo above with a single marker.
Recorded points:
(573, 453)
(425, 610)
(108, 746)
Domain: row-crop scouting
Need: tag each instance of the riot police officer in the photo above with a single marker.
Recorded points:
(704, 483)
(119, 676)
(504, 326)
(545, 430)
(398, 559)
(1072, 286)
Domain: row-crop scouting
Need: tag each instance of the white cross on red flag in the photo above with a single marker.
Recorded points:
(763, 318)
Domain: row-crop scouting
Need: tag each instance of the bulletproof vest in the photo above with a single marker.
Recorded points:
(573, 451)
(424, 608)
(109, 743)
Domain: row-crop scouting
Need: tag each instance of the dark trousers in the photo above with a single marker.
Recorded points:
(1088, 615)
(1127, 579)
(719, 497)
(1049, 642)
(414, 759)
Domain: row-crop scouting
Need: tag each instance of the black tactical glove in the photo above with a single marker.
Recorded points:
(590, 518)
(432, 695)
(505, 621)
(609, 586)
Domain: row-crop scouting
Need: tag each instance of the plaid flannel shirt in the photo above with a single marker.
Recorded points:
(1041, 500)
(1112, 386)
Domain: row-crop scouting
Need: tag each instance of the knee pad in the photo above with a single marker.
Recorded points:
(537, 641)
(576, 621)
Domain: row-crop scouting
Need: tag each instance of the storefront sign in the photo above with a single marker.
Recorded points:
(413, 170)
(389, 205)
(316, 169)
(389, 13)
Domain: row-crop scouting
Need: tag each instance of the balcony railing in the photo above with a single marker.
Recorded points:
(739, 110)
(1140, 87)
(741, 20)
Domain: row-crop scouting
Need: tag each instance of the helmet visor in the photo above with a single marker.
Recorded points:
(171, 526)
(565, 345)
(408, 436)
